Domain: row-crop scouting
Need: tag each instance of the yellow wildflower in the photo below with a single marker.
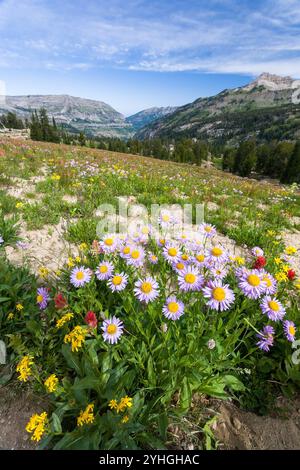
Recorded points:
(19, 307)
(24, 368)
(19, 205)
(76, 337)
(271, 233)
(86, 416)
(113, 404)
(291, 250)
(285, 268)
(51, 383)
(10, 316)
(297, 284)
(281, 276)
(239, 260)
(77, 259)
(43, 271)
(125, 419)
(55, 177)
(277, 261)
(37, 426)
(64, 319)
(83, 247)
(70, 262)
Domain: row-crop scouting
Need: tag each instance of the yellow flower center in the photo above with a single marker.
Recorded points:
(173, 307)
(166, 218)
(216, 251)
(273, 305)
(180, 266)
(207, 229)
(79, 275)
(190, 278)
(111, 329)
(219, 294)
(145, 230)
(116, 280)
(185, 257)
(162, 241)
(39, 298)
(108, 241)
(126, 250)
(103, 269)
(172, 251)
(253, 280)
(135, 254)
(292, 330)
(200, 258)
(146, 287)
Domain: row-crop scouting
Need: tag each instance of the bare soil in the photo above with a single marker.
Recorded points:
(16, 408)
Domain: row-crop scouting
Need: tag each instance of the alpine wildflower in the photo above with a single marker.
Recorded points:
(24, 368)
(86, 416)
(37, 426)
(51, 383)
(112, 330)
(76, 337)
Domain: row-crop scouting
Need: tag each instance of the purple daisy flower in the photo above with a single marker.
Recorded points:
(80, 276)
(153, 259)
(112, 330)
(271, 283)
(104, 270)
(200, 258)
(42, 297)
(190, 279)
(179, 267)
(217, 255)
(136, 257)
(118, 282)
(146, 290)
(252, 285)
(171, 253)
(219, 272)
(109, 243)
(173, 308)
(221, 297)
(266, 338)
(256, 251)
(208, 230)
(289, 330)
(165, 219)
(272, 308)
(125, 249)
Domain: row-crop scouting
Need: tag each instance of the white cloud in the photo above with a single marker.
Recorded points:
(219, 36)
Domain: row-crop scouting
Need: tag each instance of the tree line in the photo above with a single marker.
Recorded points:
(11, 121)
(280, 160)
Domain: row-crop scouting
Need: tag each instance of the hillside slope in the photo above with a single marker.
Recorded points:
(264, 109)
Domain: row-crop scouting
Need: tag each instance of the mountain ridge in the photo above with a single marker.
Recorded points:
(260, 109)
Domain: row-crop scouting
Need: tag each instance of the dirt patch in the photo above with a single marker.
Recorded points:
(16, 408)
(241, 430)
(293, 239)
(44, 247)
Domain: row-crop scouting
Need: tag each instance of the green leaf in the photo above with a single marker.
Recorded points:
(234, 383)
(71, 359)
(56, 425)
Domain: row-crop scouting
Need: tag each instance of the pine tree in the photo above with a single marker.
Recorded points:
(292, 172)
(245, 158)
(229, 159)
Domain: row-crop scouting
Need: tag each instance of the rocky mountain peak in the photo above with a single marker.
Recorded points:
(272, 82)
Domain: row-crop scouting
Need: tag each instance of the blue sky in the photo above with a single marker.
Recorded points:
(135, 54)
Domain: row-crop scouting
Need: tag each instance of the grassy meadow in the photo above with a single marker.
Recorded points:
(125, 337)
